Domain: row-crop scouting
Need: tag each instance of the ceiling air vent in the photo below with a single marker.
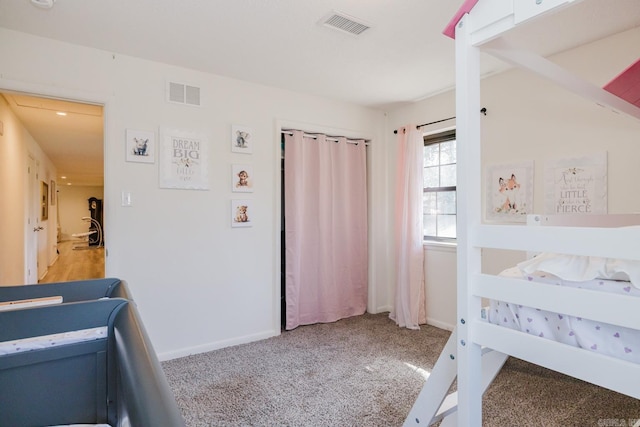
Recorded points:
(183, 94)
(345, 23)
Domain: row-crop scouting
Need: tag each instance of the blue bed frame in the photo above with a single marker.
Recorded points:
(116, 380)
(79, 290)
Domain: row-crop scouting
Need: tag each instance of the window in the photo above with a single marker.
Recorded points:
(439, 196)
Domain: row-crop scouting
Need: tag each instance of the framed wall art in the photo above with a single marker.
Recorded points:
(183, 159)
(509, 192)
(576, 185)
(54, 192)
(241, 213)
(241, 139)
(44, 201)
(140, 146)
(242, 178)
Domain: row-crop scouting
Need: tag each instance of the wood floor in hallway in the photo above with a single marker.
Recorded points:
(75, 264)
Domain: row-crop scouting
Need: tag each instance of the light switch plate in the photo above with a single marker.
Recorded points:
(126, 198)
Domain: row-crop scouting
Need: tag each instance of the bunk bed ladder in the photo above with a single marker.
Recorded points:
(433, 403)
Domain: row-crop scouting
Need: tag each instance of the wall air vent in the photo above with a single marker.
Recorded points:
(43, 4)
(345, 23)
(183, 94)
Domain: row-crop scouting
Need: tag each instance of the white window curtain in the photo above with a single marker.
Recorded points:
(409, 307)
(325, 229)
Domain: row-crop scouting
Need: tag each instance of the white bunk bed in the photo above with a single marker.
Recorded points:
(477, 349)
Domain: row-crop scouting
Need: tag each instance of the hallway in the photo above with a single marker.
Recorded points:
(76, 264)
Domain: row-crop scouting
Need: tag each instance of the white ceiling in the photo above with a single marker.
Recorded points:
(402, 58)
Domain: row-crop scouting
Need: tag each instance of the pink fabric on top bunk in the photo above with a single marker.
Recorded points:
(626, 85)
(450, 30)
(616, 341)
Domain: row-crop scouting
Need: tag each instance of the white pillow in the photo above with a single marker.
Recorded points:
(622, 267)
(580, 268)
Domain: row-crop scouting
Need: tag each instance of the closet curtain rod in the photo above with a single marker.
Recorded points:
(315, 136)
(482, 110)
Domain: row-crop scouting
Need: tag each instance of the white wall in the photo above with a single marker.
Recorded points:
(199, 284)
(531, 119)
(440, 282)
(16, 145)
(73, 204)
(12, 208)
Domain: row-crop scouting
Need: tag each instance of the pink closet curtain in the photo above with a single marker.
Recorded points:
(409, 308)
(325, 229)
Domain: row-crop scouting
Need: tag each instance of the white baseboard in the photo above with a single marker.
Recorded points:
(175, 354)
(440, 324)
(54, 260)
(384, 308)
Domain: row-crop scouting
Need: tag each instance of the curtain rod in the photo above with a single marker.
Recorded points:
(315, 136)
(482, 110)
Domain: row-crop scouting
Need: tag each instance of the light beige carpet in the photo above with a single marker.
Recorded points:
(365, 371)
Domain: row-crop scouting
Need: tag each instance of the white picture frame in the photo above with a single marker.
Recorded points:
(140, 146)
(54, 193)
(241, 139)
(183, 160)
(242, 178)
(509, 192)
(241, 213)
(576, 185)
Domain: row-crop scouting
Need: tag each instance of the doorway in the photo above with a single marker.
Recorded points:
(31, 233)
(65, 144)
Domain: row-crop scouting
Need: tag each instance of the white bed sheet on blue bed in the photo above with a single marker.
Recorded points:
(82, 425)
(47, 341)
(616, 341)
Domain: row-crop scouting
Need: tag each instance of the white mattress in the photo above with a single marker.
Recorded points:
(620, 342)
(46, 341)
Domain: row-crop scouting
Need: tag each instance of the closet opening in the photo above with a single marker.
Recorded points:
(324, 250)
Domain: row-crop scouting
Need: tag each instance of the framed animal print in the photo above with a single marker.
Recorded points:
(241, 139)
(241, 213)
(509, 192)
(242, 178)
(140, 146)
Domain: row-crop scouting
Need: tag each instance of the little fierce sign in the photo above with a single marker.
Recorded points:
(577, 186)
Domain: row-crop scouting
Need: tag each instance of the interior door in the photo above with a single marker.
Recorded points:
(41, 230)
(31, 233)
